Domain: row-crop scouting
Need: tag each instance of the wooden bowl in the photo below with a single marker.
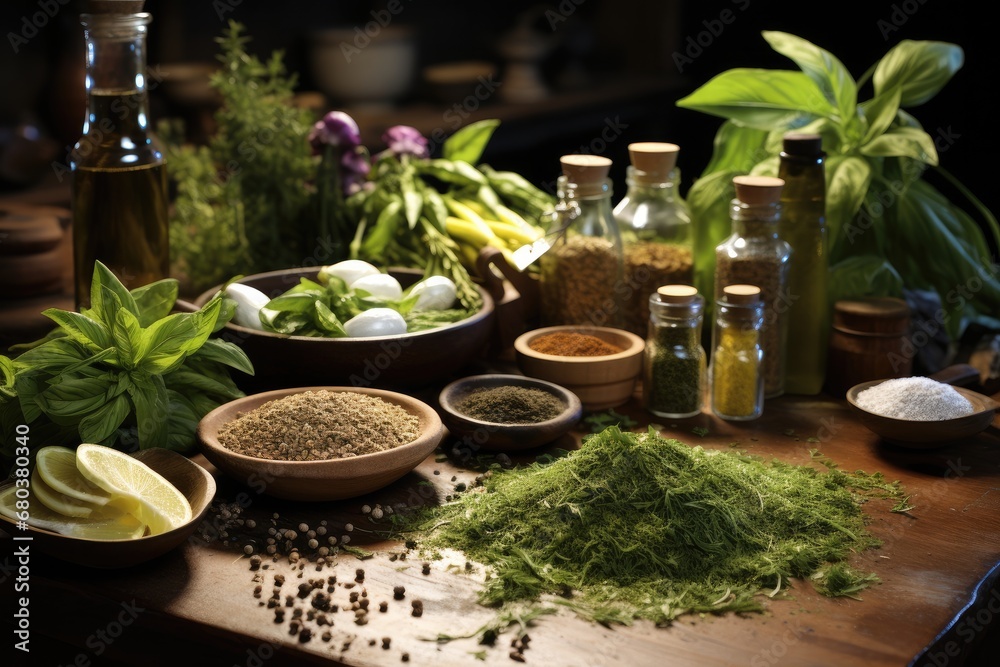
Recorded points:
(333, 479)
(197, 485)
(494, 436)
(390, 362)
(926, 434)
(600, 382)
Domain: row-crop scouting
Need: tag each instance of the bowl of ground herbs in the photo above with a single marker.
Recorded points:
(320, 443)
(598, 364)
(508, 412)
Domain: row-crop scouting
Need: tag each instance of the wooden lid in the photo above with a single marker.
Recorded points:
(23, 232)
(741, 295)
(801, 143)
(653, 160)
(758, 190)
(588, 172)
(679, 294)
(872, 315)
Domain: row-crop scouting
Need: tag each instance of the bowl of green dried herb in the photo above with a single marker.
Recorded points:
(499, 412)
(320, 443)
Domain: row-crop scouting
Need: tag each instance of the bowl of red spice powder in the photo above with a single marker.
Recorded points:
(599, 364)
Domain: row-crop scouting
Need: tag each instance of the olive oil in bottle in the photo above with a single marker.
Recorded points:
(119, 199)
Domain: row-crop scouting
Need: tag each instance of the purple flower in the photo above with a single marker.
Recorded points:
(406, 140)
(354, 168)
(336, 129)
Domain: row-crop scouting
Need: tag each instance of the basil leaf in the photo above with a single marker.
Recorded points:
(919, 68)
(100, 424)
(152, 409)
(847, 181)
(862, 276)
(54, 355)
(155, 300)
(183, 423)
(103, 285)
(192, 382)
(760, 98)
(28, 386)
(327, 322)
(225, 353)
(71, 398)
(829, 74)
(378, 238)
(736, 148)
(291, 302)
(469, 142)
(168, 341)
(81, 328)
(7, 377)
(903, 142)
(880, 112)
(128, 338)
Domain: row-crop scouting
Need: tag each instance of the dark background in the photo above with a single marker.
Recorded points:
(615, 41)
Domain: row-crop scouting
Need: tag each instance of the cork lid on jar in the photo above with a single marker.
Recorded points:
(802, 143)
(758, 190)
(741, 295)
(588, 172)
(678, 294)
(653, 160)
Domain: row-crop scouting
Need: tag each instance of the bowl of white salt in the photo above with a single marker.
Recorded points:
(920, 412)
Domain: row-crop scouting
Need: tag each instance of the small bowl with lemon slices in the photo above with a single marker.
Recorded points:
(102, 508)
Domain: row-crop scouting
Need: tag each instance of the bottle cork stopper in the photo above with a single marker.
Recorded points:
(113, 6)
(758, 190)
(801, 143)
(741, 295)
(679, 294)
(653, 160)
(585, 169)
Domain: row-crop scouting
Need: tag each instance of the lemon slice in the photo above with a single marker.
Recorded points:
(134, 487)
(122, 527)
(65, 505)
(57, 467)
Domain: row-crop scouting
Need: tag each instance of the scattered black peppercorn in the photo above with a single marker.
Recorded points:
(359, 575)
(386, 641)
(305, 635)
(418, 608)
(426, 568)
(383, 607)
(398, 592)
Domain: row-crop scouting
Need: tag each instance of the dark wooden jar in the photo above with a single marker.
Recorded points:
(869, 341)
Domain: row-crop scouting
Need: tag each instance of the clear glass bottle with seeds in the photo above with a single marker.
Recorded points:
(736, 368)
(803, 226)
(119, 197)
(655, 226)
(581, 274)
(673, 381)
(754, 254)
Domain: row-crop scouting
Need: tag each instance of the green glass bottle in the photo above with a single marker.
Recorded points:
(803, 226)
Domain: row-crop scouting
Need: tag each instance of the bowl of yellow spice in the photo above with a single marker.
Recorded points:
(598, 364)
(503, 412)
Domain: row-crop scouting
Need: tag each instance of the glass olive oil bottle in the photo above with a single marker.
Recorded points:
(803, 226)
(119, 199)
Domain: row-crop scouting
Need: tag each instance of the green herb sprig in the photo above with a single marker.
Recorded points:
(124, 372)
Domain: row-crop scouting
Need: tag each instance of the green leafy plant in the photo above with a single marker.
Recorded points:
(889, 228)
(124, 372)
(242, 202)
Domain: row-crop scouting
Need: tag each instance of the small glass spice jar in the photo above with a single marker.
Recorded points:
(581, 274)
(737, 379)
(755, 255)
(655, 227)
(674, 373)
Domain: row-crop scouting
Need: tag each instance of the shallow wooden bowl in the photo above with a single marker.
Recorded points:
(926, 434)
(493, 436)
(333, 479)
(197, 485)
(600, 382)
(388, 362)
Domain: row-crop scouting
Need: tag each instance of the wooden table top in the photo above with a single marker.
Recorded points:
(938, 569)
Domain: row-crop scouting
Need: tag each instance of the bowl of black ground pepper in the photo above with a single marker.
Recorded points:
(320, 443)
(508, 412)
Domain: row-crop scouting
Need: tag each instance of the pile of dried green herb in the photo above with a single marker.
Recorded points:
(638, 526)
